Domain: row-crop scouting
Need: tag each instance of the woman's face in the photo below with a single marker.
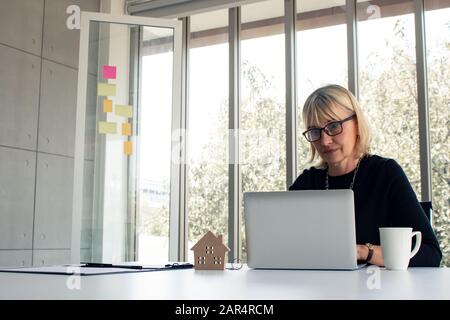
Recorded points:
(341, 147)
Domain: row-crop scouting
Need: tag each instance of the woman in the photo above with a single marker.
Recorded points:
(339, 138)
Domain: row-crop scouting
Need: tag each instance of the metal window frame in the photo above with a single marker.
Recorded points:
(422, 102)
(352, 47)
(234, 168)
(136, 37)
(176, 214)
(290, 15)
(183, 211)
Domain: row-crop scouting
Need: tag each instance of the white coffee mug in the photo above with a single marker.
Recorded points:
(396, 246)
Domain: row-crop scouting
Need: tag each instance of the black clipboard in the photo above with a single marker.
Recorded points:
(92, 269)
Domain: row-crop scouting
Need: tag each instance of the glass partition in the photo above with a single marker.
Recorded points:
(124, 140)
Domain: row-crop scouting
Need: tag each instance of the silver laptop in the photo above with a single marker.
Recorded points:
(313, 229)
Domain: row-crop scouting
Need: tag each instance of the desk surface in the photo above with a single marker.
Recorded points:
(415, 283)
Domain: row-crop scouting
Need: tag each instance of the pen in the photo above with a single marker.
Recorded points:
(179, 265)
(97, 265)
(138, 267)
(109, 265)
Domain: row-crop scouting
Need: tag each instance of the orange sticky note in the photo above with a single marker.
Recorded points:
(128, 147)
(126, 129)
(107, 105)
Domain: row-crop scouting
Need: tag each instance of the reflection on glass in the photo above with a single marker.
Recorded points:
(154, 145)
(207, 176)
(437, 26)
(387, 82)
(263, 112)
(321, 56)
(105, 235)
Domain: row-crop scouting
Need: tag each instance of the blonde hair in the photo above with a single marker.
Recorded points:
(320, 107)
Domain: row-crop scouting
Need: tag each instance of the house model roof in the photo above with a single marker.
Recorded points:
(210, 239)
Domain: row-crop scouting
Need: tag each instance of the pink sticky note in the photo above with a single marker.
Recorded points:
(109, 72)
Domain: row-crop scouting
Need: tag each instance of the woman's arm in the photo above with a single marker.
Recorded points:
(405, 211)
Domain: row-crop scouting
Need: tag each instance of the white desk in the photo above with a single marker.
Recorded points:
(416, 283)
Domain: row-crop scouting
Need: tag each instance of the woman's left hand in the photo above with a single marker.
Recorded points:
(362, 252)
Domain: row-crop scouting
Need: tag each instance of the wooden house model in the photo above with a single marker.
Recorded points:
(209, 252)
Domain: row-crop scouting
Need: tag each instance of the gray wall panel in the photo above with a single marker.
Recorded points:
(53, 213)
(19, 96)
(15, 258)
(50, 257)
(17, 171)
(38, 112)
(58, 109)
(61, 44)
(21, 24)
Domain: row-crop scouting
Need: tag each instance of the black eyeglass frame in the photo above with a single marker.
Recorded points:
(340, 122)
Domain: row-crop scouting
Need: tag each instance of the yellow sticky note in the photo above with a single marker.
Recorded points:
(128, 147)
(107, 105)
(106, 89)
(107, 127)
(126, 129)
(124, 111)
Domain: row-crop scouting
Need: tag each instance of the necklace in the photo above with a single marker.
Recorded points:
(354, 175)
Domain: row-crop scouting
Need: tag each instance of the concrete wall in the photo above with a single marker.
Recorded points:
(38, 85)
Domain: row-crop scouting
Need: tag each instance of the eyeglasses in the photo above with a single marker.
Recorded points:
(332, 129)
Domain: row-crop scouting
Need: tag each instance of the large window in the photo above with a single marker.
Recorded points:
(321, 38)
(263, 111)
(437, 26)
(387, 81)
(207, 176)
(155, 141)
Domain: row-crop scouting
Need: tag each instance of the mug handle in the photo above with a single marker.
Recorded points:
(418, 235)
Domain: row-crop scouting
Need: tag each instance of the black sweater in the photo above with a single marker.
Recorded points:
(383, 198)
